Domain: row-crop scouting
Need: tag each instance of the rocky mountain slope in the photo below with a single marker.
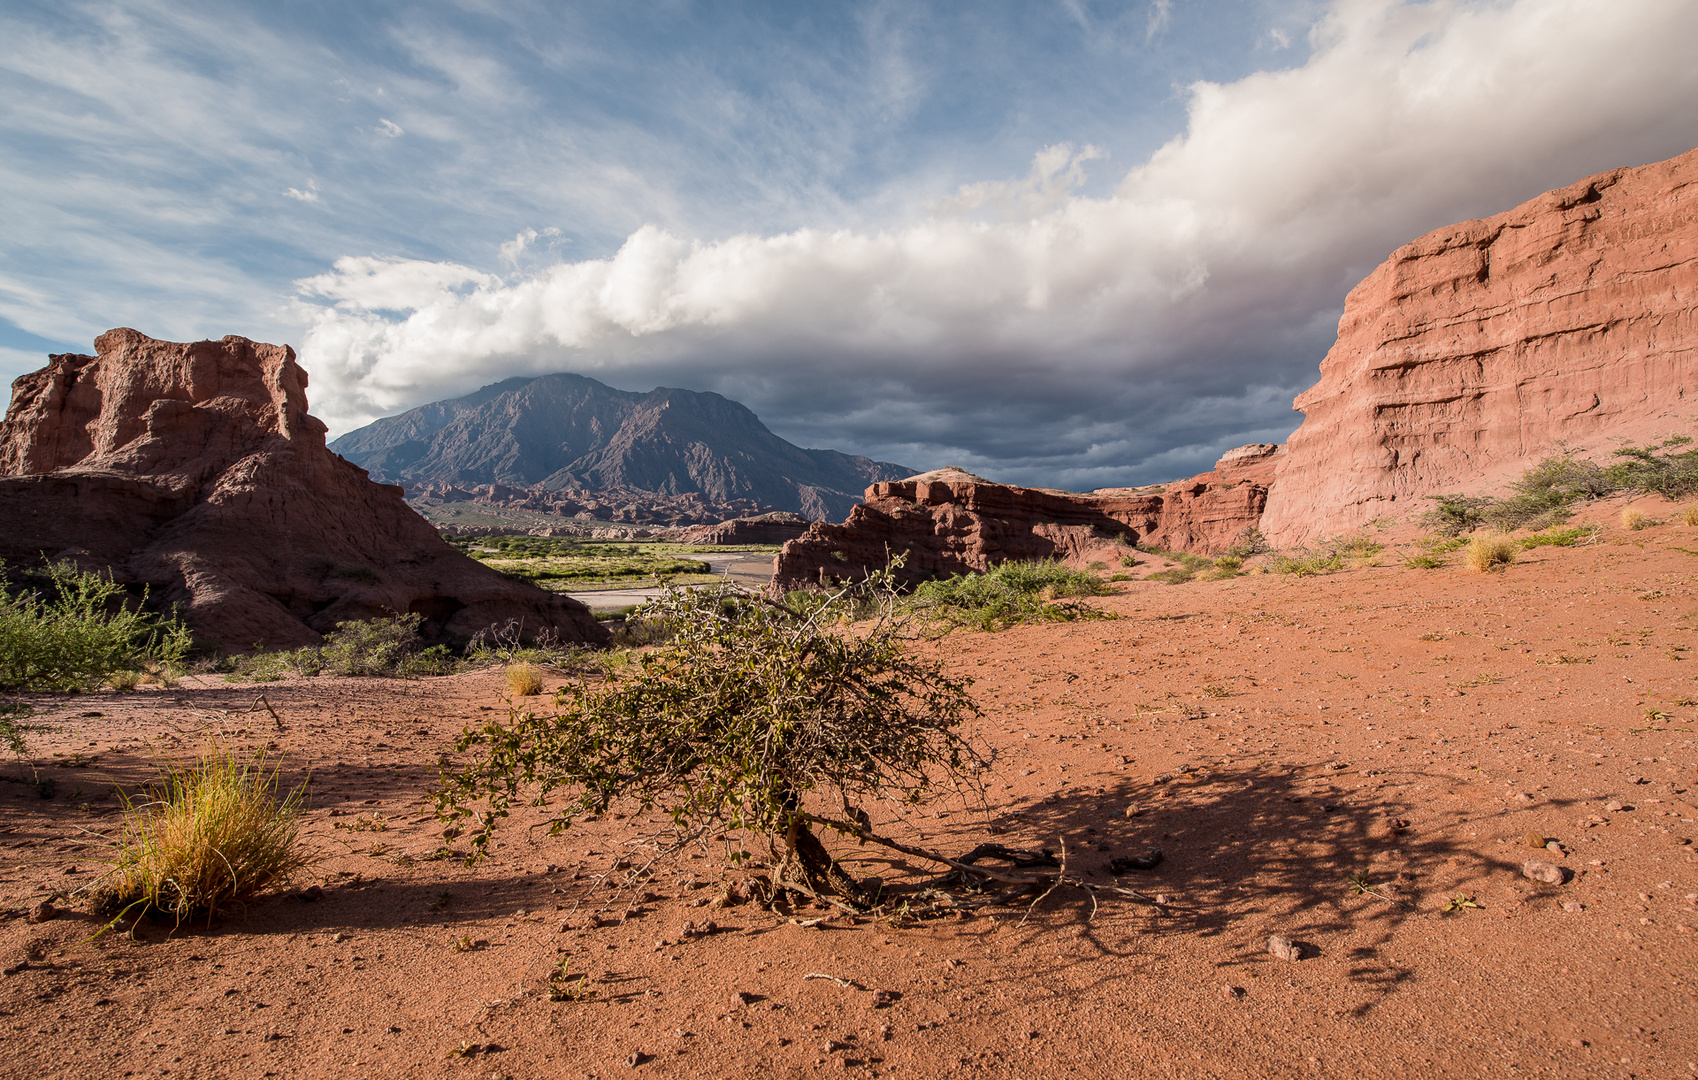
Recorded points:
(1479, 348)
(560, 432)
(195, 470)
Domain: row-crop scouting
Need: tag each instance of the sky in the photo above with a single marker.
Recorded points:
(1073, 243)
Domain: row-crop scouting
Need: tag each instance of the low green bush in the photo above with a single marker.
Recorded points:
(1012, 593)
(73, 630)
(1569, 537)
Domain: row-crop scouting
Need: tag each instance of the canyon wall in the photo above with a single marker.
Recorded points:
(1482, 347)
(195, 470)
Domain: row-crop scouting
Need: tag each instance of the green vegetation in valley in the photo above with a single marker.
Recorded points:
(1014, 592)
(565, 564)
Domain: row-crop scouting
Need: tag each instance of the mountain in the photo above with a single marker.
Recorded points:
(565, 431)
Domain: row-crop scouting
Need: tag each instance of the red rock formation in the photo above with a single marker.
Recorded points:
(195, 469)
(1481, 347)
(775, 528)
(951, 522)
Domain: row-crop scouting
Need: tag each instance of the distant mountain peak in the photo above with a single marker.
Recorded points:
(565, 430)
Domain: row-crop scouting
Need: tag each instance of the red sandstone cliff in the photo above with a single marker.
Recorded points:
(1479, 348)
(196, 470)
(951, 522)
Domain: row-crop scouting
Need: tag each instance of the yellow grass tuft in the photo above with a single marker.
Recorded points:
(1689, 516)
(1487, 552)
(524, 679)
(1633, 518)
(205, 838)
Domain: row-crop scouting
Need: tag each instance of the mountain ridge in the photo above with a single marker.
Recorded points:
(566, 431)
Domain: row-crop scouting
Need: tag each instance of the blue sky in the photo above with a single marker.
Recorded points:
(1065, 243)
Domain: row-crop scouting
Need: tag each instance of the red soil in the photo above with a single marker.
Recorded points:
(1271, 735)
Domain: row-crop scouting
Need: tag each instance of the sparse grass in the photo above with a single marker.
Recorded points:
(1569, 537)
(1226, 566)
(524, 679)
(1689, 516)
(204, 839)
(1012, 593)
(1633, 519)
(1306, 563)
(1424, 560)
(1489, 552)
(372, 647)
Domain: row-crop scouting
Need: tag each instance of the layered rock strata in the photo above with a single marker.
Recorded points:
(1482, 347)
(950, 522)
(195, 470)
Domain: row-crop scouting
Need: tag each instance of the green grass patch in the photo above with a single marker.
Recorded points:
(1014, 592)
(1569, 537)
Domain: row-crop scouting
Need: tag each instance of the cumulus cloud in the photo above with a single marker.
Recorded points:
(309, 194)
(1068, 337)
(389, 128)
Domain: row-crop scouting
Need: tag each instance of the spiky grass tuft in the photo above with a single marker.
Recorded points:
(204, 839)
(524, 679)
(1489, 552)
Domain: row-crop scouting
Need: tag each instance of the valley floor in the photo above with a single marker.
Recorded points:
(1273, 736)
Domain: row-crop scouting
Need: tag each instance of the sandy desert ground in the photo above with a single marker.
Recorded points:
(1273, 736)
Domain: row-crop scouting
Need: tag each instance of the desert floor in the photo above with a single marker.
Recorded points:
(1273, 736)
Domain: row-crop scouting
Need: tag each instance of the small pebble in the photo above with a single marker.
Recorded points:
(1615, 806)
(1547, 873)
(1574, 907)
(1233, 992)
(1284, 948)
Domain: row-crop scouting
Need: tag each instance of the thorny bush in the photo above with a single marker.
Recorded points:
(751, 719)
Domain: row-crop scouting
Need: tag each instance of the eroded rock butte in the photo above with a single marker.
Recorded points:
(195, 470)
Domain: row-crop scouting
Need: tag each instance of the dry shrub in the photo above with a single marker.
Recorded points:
(1489, 552)
(1689, 516)
(1633, 518)
(524, 679)
(205, 838)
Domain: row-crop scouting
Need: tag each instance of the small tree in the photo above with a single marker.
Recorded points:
(752, 716)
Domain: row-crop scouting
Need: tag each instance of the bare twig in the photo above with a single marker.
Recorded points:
(845, 983)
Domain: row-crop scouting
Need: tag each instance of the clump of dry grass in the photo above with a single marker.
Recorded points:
(524, 679)
(205, 838)
(1633, 518)
(1689, 516)
(1488, 552)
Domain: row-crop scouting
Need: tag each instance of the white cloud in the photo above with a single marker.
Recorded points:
(1206, 278)
(389, 128)
(1160, 18)
(307, 195)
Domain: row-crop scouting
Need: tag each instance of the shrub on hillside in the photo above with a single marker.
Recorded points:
(1489, 552)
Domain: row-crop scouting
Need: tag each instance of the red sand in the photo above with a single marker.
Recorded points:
(1267, 733)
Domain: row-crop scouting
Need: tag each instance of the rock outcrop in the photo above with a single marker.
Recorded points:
(950, 522)
(195, 470)
(1480, 348)
(776, 528)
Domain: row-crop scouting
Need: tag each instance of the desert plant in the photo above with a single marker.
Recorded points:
(524, 679)
(1633, 518)
(74, 631)
(12, 726)
(1455, 514)
(1013, 592)
(1668, 468)
(1569, 537)
(1249, 542)
(389, 646)
(1489, 552)
(1305, 563)
(1423, 560)
(1689, 516)
(205, 838)
(751, 718)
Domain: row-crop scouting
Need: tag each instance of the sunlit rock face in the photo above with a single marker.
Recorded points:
(194, 469)
(1479, 348)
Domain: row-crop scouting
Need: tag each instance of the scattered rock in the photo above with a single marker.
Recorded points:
(1573, 906)
(638, 1058)
(1147, 861)
(747, 997)
(1543, 872)
(42, 912)
(1535, 840)
(1232, 992)
(310, 893)
(1616, 806)
(1285, 948)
